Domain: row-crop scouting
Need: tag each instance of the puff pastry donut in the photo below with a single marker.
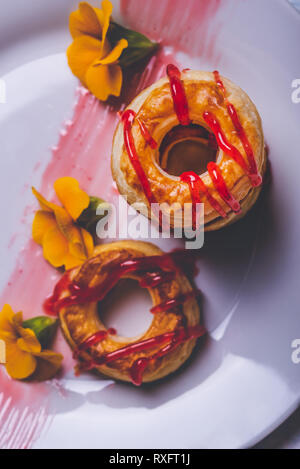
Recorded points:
(175, 327)
(209, 110)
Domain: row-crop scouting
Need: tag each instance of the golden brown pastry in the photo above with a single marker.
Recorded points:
(200, 124)
(172, 335)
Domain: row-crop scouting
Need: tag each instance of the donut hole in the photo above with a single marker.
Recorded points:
(187, 148)
(126, 308)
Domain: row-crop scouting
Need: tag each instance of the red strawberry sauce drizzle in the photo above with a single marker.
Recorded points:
(178, 94)
(196, 185)
(155, 270)
(170, 340)
(252, 172)
(146, 134)
(220, 185)
(128, 117)
(93, 340)
(174, 302)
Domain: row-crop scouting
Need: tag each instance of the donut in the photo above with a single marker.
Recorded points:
(175, 327)
(192, 137)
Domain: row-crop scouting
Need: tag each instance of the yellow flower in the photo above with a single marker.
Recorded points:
(90, 56)
(64, 242)
(24, 355)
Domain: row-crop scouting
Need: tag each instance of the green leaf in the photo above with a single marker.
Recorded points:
(139, 46)
(44, 329)
(89, 218)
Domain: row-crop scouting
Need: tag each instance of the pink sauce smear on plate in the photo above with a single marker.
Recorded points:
(190, 26)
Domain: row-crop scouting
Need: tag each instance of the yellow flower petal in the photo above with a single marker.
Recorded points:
(114, 55)
(24, 355)
(25, 338)
(45, 205)
(71, 232)
(20, 364)
(100, 16)
(85, 21)
(81, 54)
(91, 50)
(74, 199)
(78, 250)
(42, 222)
(48, 364)
(54, 227)
(77, 256)
(104, 80)
(17, 321)
(107, 9)
(7, 330)
(71, 261)
(55, 247)
(28, 342)
(88, 241)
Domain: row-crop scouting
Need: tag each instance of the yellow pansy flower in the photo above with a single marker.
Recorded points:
(24, 355)
(90, 56)
(64, 242)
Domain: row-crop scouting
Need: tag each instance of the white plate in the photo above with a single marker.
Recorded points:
(243, 384)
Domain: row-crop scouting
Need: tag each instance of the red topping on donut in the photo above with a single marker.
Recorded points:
(178, 337)
(153, 279)
(171, 339)
(223, 143)
(157, 269)
(174, 302)
(178, 94)
(221, 187)
(146, 134)
(219, 82)
(128, 118)
(174, 338)
(137, 370)
(140, 346)
(144, 130)
(50, 302)
(254, 176)
(93, 340)
(197, 186)
(192, 179)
